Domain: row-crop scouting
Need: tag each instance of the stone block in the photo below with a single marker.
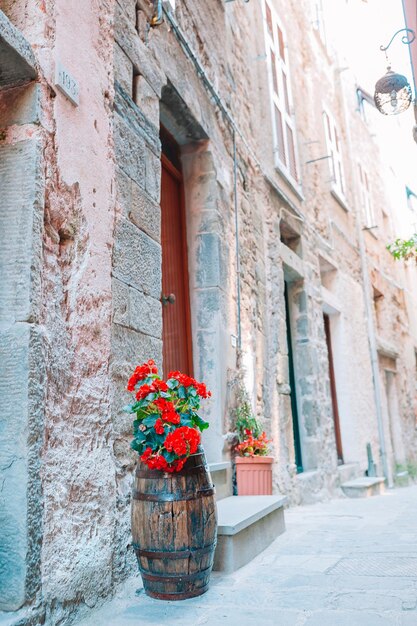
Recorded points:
(20, 105)
(132, 115)
(221, 474)
(21, 224)
(143, 60)
(18, 64)
(123, 69)
(123, 191)
(130, 348)
(137, 259)
(364, 487)
(153, 175)
(208, 307)
(120, 302)
(145, 213)
(146, 99)
(348, 471)
(129, 151)
(21, 390)
(208, 260)
(246, 526)
(145, 313)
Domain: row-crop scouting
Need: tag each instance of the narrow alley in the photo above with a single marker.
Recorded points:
(346, 562)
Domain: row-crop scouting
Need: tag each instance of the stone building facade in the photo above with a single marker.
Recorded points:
(283, 184)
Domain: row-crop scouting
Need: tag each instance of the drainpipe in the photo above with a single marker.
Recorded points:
(366, 283)
(239, 326)
(373, 351)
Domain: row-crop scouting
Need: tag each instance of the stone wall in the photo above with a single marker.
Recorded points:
(80, 305)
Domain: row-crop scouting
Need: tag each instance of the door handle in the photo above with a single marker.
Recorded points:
(170, 299)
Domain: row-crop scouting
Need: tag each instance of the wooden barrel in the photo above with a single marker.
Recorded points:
(174, 529)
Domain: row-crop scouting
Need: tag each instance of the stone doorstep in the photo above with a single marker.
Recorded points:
(364, 487)
(246, 526)
(221, 474)
(348, 471)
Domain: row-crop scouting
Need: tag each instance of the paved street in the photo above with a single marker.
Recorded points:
(340, 563)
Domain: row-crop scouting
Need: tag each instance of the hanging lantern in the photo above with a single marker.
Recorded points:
(393, 93)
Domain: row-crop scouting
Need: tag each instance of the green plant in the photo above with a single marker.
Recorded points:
(166, 426)
(404, 248)
(245, 420)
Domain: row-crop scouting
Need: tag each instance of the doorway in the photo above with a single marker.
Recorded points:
(175, 298)
(293, 397)
(335, 408)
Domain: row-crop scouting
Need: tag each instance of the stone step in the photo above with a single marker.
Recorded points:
(221, 475)
(402, 479)
(364, 487)
(348, 471)
(246, 526)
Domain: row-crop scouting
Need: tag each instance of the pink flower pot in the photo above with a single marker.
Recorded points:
(254, 475)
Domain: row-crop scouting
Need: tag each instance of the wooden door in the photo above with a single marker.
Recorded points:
(336, 420)
(176, 326)
(293, 397)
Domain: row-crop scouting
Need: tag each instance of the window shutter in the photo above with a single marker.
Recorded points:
(280, 136)
(280, 90)
(334, 151)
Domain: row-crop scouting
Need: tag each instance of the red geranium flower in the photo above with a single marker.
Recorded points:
(159, 427)
(141, 372)
(183, 441)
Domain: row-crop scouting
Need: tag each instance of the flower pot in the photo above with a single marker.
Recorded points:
(254, 475)
(174, 529)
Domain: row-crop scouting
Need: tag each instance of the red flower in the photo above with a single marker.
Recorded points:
(145, 456)
(164, 405)
(159, 427)
(155, 387)
(168, 411)
(141, 372)
(183, 441)
(143, 392)
(160, 385)
(188, 381)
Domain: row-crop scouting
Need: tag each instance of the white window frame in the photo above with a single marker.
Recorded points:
(282, 101)
(366, 198)
(334, 152)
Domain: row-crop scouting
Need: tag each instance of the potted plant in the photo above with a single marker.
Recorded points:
(253, 464)
(174, 521)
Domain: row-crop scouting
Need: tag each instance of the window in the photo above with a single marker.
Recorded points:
(335, 154)
(365, 197)
(281, 102)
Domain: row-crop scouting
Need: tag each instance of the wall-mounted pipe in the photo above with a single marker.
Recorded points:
(157, 17)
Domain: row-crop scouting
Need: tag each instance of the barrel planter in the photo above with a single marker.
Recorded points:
(174, 529)
(254, 475)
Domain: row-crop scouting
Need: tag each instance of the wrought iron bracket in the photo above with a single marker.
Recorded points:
(406, 39)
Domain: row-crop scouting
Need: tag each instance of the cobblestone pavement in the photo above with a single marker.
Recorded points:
(340, 563)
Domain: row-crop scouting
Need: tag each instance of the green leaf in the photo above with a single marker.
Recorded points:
(172, 383)
(150, 420)
(128, 408)
(199, 422)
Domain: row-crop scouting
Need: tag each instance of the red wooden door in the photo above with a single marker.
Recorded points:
(337, 432)
(176, 326)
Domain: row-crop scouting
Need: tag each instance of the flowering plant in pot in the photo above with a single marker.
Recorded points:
(174, 521)
(166, 428)
(253, 464)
